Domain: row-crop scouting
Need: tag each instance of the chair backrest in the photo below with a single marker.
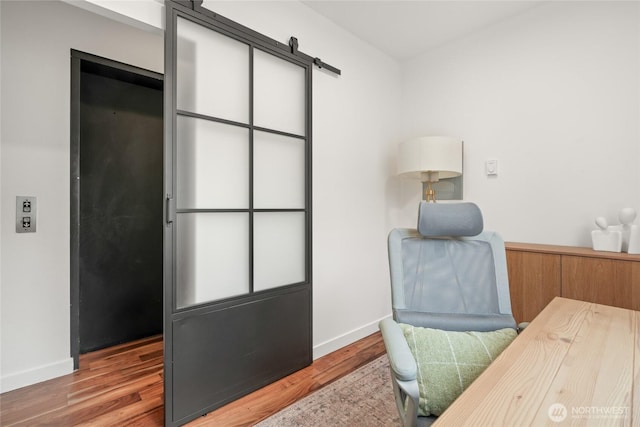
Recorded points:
(449, 273)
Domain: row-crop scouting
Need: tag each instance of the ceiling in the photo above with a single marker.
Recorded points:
(403, 29)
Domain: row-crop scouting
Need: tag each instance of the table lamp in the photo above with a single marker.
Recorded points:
(430, 158)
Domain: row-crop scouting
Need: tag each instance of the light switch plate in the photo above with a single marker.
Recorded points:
(491, 167)
(26, 210)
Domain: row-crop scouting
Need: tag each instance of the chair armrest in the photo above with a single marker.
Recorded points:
(401, 360)
(404, 372)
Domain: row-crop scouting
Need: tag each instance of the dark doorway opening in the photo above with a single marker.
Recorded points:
(116, 203)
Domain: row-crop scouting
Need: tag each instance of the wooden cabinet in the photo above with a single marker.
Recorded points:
(537, 273)
(534, 280)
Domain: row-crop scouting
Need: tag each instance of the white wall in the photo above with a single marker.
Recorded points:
(36, 40)
(355, 118)
(553, 94)
(1, 215)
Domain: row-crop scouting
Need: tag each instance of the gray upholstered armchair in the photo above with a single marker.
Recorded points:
(449, 275)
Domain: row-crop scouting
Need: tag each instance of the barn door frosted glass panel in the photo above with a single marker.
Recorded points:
(238, 211)
(212, 73)
(279, 171)
(212, 257)
(277, 79)
(279, 249)
(213, 165)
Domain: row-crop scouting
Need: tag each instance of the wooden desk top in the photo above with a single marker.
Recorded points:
(573, 365)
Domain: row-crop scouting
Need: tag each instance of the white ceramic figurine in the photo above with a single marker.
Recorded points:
(630, 231)
(606, 238)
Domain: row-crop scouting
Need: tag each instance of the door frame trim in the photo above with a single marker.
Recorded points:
(121, 71)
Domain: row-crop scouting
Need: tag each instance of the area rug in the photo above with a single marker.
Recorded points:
(361, 398)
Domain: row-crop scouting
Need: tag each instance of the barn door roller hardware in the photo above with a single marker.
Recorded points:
(292, 48)
(293, 43)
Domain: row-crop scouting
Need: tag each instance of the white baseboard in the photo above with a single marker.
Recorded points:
(64, 367)
(36, 375)
(343, 340)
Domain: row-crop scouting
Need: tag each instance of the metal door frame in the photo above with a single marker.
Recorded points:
(122, 71)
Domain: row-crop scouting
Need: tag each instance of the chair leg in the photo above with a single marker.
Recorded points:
(406, 396)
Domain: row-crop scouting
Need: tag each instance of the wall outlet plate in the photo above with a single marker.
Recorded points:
(26, 214)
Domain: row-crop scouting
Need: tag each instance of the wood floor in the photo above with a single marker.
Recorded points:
(123, 385)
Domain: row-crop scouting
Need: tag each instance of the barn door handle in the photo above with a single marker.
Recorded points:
(170, 210)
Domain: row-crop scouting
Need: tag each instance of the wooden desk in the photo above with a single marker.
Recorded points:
(575, 360)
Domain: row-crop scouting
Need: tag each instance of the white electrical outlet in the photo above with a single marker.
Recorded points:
(26, 214)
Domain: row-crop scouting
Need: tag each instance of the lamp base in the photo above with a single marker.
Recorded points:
(430, 196)
(430, 193)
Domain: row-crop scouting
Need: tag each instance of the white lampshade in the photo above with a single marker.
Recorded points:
(420, 157)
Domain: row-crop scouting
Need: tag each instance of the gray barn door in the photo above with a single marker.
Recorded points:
(237, 228)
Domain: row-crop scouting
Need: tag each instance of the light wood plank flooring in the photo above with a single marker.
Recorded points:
(123, 385)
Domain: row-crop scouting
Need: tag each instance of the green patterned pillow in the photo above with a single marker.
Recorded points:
(448, 362)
